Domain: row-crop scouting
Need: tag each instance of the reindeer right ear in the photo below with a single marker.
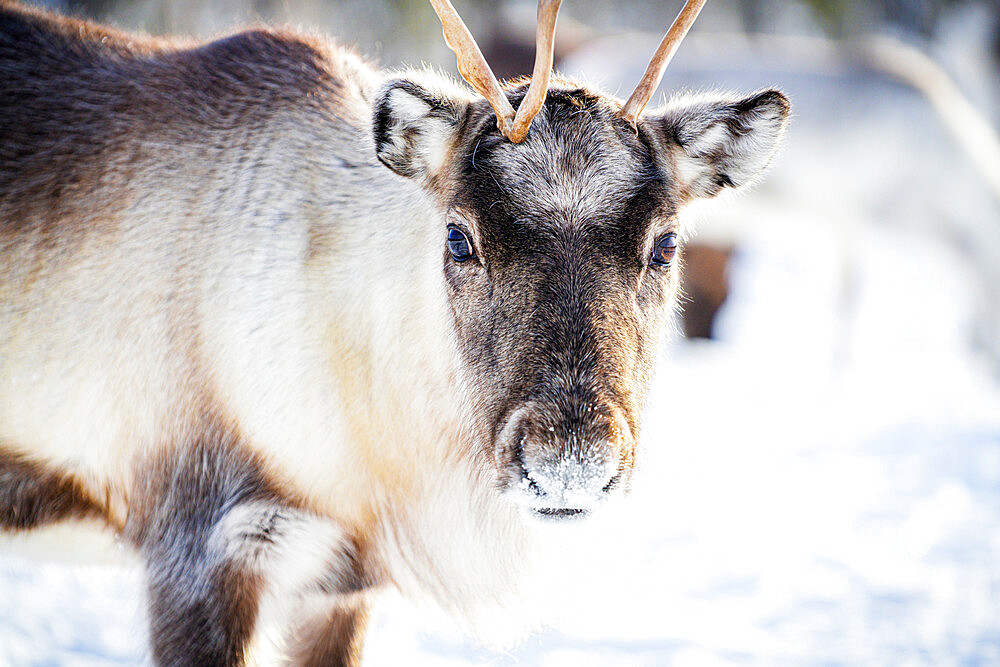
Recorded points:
(710, 142)
(414, 128)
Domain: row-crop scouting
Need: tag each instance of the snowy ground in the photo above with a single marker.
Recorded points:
(821, 483)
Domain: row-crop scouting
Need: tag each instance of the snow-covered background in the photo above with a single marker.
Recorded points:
(821, 482)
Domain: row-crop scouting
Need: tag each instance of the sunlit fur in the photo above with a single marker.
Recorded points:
(231, 330)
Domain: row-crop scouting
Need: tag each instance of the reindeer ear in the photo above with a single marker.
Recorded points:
(709, 143)
(414, 127)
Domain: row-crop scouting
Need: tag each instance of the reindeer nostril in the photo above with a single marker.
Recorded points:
(612, 483)
(529, 482)
(526, 480)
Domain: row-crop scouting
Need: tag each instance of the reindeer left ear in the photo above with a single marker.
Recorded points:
(413, 127)
(709, 143)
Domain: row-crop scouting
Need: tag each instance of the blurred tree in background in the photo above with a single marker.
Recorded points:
(842, 17)
(837, 18)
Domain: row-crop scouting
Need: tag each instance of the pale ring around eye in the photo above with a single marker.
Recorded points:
(459, 245)
(664, 251)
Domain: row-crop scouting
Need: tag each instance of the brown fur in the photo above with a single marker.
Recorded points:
(34, 495)
(335, 639)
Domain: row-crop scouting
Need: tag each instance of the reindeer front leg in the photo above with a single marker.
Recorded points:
(231, 561)
(332, 638)
(202, 611)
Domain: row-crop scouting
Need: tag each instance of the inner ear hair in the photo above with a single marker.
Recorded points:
(710, 142)
(414, 126)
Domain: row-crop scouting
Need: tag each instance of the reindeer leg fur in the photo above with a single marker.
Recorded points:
(230, 562)
(333, 638)
(33, 494)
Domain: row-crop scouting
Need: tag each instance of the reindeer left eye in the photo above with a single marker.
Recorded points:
(663, 253)
(458, 244)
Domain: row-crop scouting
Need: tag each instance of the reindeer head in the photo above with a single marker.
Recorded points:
(560, 252)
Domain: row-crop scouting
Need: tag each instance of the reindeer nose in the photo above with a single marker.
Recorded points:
(570, 484)
(564, 468)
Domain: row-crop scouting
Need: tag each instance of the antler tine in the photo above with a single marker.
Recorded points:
(664, 52)
(472, 65)
(533, 100)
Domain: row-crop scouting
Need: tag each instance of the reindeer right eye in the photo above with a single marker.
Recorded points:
(458, 244)
(663, 253)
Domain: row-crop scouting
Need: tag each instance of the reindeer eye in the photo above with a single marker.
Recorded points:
(458, 244)
(663, 253)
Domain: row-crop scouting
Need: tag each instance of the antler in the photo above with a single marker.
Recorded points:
(474, 68)
(544, 46)
(472, 65)
(664, 52)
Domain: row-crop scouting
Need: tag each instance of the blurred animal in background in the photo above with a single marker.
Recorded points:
(297, 330)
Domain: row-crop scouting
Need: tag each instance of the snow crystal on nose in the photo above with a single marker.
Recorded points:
(574, 479)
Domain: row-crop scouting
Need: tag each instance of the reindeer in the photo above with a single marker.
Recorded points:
(297, 330)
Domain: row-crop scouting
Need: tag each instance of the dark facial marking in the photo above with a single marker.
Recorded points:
(557, 311)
